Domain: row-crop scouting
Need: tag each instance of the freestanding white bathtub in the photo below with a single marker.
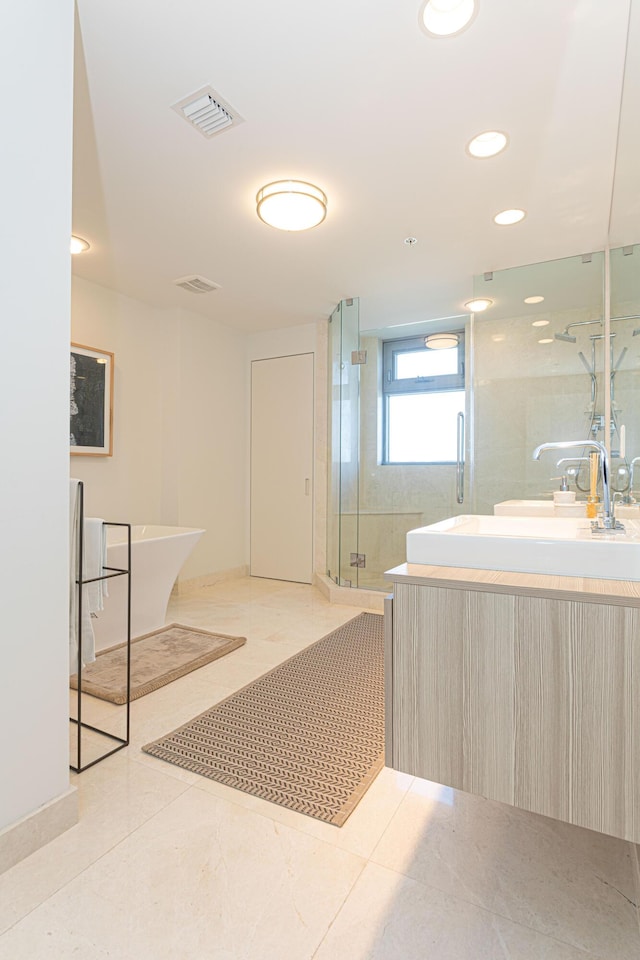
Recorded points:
(157, 556)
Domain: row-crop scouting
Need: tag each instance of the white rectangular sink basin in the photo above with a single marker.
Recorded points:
(536, 508)
(547, 508)
(561, 546)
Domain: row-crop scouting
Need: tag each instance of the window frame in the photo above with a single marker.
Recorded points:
(392, 386)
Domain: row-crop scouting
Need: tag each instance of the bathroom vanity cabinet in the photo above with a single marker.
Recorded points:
(520, 688)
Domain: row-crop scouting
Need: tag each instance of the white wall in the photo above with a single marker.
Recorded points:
(36, 62)
(213, 462)
(179, 454)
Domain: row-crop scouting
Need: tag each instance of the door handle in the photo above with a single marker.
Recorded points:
(307, 486)
(460, 459)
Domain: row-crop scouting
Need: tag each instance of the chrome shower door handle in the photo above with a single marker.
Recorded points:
(460, 460)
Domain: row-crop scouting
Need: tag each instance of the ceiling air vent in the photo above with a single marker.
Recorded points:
(196, 284)
(207, 112)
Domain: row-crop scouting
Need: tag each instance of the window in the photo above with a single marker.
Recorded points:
(423, 393)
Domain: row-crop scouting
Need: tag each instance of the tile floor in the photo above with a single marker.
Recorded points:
(167, 865)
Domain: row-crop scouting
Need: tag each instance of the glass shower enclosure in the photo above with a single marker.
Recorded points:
(373, 503)
(344, 443)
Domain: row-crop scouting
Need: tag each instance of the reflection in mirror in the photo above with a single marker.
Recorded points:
(624, 231)
(625, 368)
(538, 376)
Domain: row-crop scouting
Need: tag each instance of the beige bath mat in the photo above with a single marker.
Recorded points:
(308, 735)
(156, 659)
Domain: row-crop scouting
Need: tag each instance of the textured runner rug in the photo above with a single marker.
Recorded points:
(308, 735)
(156, 659)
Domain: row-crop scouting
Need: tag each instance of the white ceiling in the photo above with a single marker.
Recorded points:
(355, 98)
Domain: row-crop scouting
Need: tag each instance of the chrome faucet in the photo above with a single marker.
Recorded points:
(629, 496)
(631, 473)
(608, 519)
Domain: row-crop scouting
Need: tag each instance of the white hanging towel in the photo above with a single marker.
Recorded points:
(94, 558)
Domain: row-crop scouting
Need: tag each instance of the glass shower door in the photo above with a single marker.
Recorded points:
(344, 431)
(397, 497)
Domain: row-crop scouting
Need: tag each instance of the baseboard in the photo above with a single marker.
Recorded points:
(25, 836)
(349, 596)
(208, 580)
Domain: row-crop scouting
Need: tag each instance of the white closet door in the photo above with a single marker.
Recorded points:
(282, 468)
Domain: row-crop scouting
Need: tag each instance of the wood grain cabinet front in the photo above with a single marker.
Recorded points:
(529, 700)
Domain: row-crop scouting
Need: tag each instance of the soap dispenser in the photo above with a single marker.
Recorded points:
(564, 495)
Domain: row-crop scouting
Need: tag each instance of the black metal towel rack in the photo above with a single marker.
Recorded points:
(80, 724)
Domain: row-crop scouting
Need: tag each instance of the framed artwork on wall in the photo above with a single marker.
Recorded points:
(91, 412)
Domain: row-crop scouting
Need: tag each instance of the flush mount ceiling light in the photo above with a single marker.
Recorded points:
(446, 18)
(291, 205)
(78, 245)
(507, 217)
(540, 323)
(487, 144)
(441, 341)
(477, 306)
(533, 299)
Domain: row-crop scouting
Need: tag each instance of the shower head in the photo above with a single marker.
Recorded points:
(568, 337)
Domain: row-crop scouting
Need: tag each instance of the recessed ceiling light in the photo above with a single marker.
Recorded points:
(477, 306)
(291, 205)
(441, 341)
(446, 18)
(78, 245)
(533, 299)
(540, 323)
(411, 241)
(487, 144)
(507, 217)
(546, 340)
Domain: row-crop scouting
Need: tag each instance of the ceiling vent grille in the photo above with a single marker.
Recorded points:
(196, 284)
(207, 112)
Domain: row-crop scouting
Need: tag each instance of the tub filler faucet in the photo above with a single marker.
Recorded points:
(609, 521)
